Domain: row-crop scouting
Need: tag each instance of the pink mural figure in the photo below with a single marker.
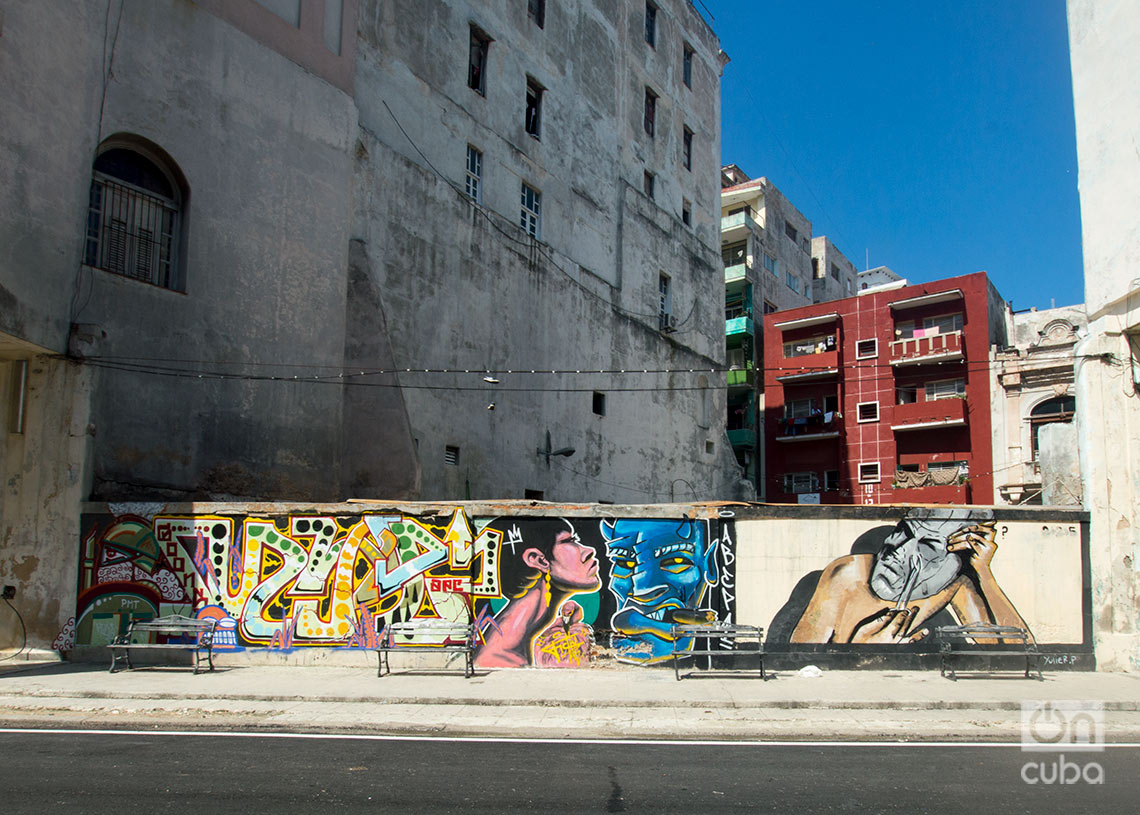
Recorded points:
(542, 562)
(566, 642)
(935, 559)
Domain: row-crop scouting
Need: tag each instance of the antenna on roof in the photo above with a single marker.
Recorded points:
(867, 262)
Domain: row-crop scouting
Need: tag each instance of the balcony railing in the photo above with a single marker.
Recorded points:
(740, 378)
(921, 350)
(735, 272)
(739, 325)
(809, 366)
(936, 413)
(742, 437)
(809, 428)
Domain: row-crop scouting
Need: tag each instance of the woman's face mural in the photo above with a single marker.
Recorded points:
(659, 572)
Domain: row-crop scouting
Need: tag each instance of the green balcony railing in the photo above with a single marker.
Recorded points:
(739, 325)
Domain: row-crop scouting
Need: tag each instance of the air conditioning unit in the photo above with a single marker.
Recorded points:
(668, 323)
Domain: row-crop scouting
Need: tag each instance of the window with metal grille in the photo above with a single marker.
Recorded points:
(869, 473)
(865, 349)
(664, 302)
(474, 175)
(868, 411)
(133, 218)
(451, 455)
(799, 483)
(480, 43)
(530, 214)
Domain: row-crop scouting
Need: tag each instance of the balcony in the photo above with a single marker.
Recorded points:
(923, 350)
(808, 428)
(937, 413)
(736, 273)
(739, 325)
(740, 378)
(943, 486)
(736, 227)
(809, 367)
(742, 437)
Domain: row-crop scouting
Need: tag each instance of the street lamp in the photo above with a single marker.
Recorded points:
(547, 452)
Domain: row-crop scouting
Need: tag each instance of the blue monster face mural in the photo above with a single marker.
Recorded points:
(659, 573)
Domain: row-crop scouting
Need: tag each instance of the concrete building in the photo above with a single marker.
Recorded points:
(771, 263)
(292, 249)
(1035, 440)
(1106, 84)
(883, 397)
(833, 275)
(879, 276)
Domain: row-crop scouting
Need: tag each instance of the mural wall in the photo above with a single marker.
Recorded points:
(567, 591)
(550, 592)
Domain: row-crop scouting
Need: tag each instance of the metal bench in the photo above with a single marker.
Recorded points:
(453, 637)
(180, 633)
(969, 640)
(737, 634)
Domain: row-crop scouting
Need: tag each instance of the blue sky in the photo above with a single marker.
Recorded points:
(938, 136)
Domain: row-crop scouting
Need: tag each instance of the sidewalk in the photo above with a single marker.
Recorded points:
(594, 703)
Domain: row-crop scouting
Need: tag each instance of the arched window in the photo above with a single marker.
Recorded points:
(135, 215)
(1057, 409)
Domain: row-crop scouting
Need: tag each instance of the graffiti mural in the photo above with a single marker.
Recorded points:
(661, 573)
(933, 568)
(568, 592)
(537, 589)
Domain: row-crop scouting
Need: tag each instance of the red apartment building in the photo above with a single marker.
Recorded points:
(884, 397)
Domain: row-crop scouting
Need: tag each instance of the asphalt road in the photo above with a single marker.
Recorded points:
(99, 772)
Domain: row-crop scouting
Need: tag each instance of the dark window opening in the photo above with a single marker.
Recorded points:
(536, 10)
(686, 213)
(687, 148)
(599, 403)
(533, 107)
(651, 24)
(648, 183)
(687, 67)
(650, 112)
(477, 61)
(451, 455)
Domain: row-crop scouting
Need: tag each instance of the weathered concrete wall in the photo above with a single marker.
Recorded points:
(561, 586)
(465, 289)
(1106, 78)
(43, 467)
